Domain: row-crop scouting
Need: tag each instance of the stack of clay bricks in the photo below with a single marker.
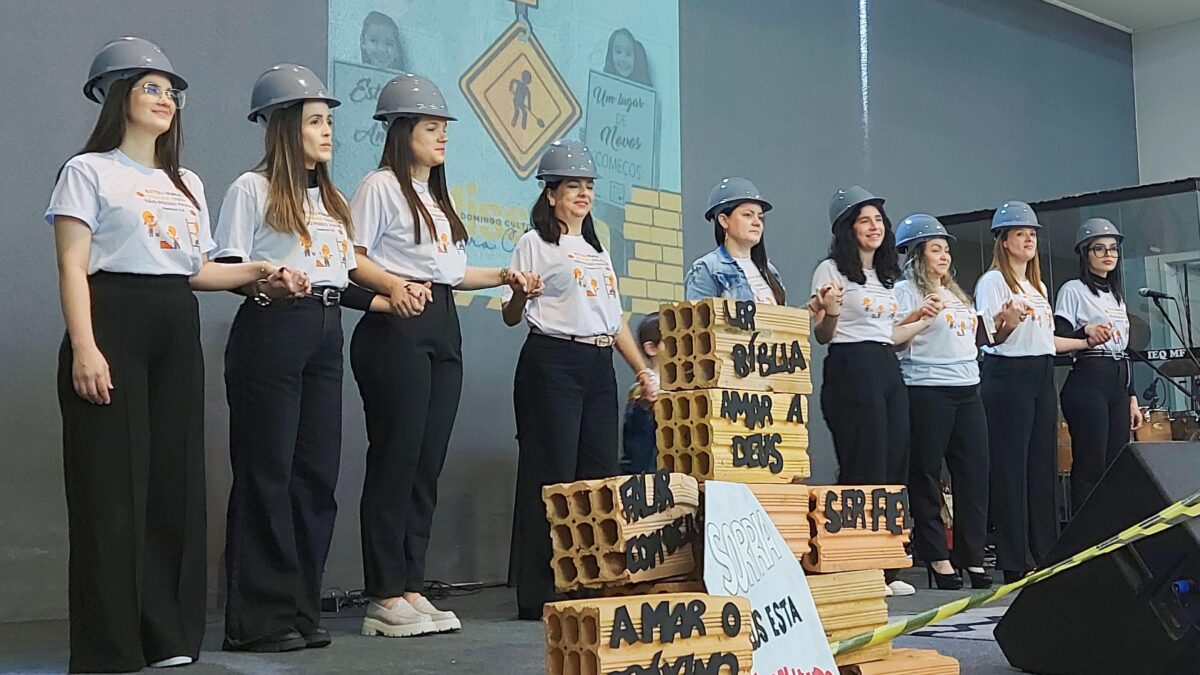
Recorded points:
(735, 384)
(654, 249)
(624, 530)
(633, 540)
(665, 633)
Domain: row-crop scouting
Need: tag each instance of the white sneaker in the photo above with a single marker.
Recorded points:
(444, 620)
(399, 621)
(898, 587)
(172, 662)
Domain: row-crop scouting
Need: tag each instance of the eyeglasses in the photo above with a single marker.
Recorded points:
(1099, 250)
(177, 96)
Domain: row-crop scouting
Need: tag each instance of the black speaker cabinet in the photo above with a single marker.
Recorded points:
(1118, 613)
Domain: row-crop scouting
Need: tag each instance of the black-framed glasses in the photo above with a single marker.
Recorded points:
(177, 96)
(1100, 250)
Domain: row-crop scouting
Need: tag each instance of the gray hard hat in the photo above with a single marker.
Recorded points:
(412, 96)
(566, 158)
(123, 58)
(918, 227)
(733, 190)
(284, 85)
(846, 200)
(1013, 214)
(1096, 227)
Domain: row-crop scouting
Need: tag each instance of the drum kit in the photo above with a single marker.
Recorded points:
(1160, 424)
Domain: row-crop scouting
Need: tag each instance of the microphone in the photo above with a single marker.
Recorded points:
(1153, 294)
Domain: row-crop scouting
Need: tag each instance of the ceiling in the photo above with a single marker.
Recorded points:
(1132, 16)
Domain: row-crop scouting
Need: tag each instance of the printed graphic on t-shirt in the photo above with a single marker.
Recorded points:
(1120, 324)
(1038, 310)
(330, 241)
(167, 215)
(590, 271)
(875, 307)
(962, 324)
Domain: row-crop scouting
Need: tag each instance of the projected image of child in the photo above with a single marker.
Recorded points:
(380, 42)
(627, 58)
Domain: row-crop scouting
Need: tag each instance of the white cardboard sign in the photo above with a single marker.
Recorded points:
(745, 555)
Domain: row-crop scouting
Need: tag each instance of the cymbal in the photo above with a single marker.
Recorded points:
(1139, 333)
(1179, 368)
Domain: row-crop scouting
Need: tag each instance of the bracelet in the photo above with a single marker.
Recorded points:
(833, 315)
(504, 274)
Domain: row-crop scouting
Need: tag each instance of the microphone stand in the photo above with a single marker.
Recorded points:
(1186, 343)
(1171, 381)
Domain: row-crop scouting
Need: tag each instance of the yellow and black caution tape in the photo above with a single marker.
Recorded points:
(1181, 511)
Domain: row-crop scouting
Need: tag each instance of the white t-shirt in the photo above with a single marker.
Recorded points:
(141, 223)
(758, 285)
(326, 255)
(1035, 334)
(869, 311)
(1078, 305)
(942, 355)
(580, 297)
(385, 227)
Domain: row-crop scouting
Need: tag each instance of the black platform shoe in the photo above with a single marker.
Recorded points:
(944, 582)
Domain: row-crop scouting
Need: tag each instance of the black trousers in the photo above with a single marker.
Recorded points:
(565, 395)
(134, 473)
(1095, 403)
(1018, 394)
(948, 423)
(283, 380)
(865, 404)
(409, 373)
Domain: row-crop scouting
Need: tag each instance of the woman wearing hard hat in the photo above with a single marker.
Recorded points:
(283, 369)
(132, 237)
(738, 268)
(1098, 401)
(1017, 384)
(853, 309)
(944, 408)
(565, 392)
(411, 245)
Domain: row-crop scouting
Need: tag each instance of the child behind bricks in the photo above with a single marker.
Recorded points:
(640, 430)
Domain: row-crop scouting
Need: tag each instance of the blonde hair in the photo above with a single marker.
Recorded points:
(1003, 264)
(926, 281)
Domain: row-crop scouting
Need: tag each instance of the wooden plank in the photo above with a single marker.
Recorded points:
(907, 662)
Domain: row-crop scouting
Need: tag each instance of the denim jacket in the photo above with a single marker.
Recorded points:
(717, 275)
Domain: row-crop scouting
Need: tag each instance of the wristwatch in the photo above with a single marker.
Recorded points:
(259, 296)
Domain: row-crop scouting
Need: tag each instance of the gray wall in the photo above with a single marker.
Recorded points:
(969, 103)
(1167, 86)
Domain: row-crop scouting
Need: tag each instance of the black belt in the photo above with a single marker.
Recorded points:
(328, 295)
(1102, 354)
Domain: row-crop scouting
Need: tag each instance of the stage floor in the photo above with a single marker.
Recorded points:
(492, 641)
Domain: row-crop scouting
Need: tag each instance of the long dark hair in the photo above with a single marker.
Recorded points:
(548, 225)
(109, 132)
(843, 250)
(1095, 283)
(758, 254)
(287, 178)
(398, 157)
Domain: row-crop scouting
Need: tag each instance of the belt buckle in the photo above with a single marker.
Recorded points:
(604, 341)
(325, 296)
